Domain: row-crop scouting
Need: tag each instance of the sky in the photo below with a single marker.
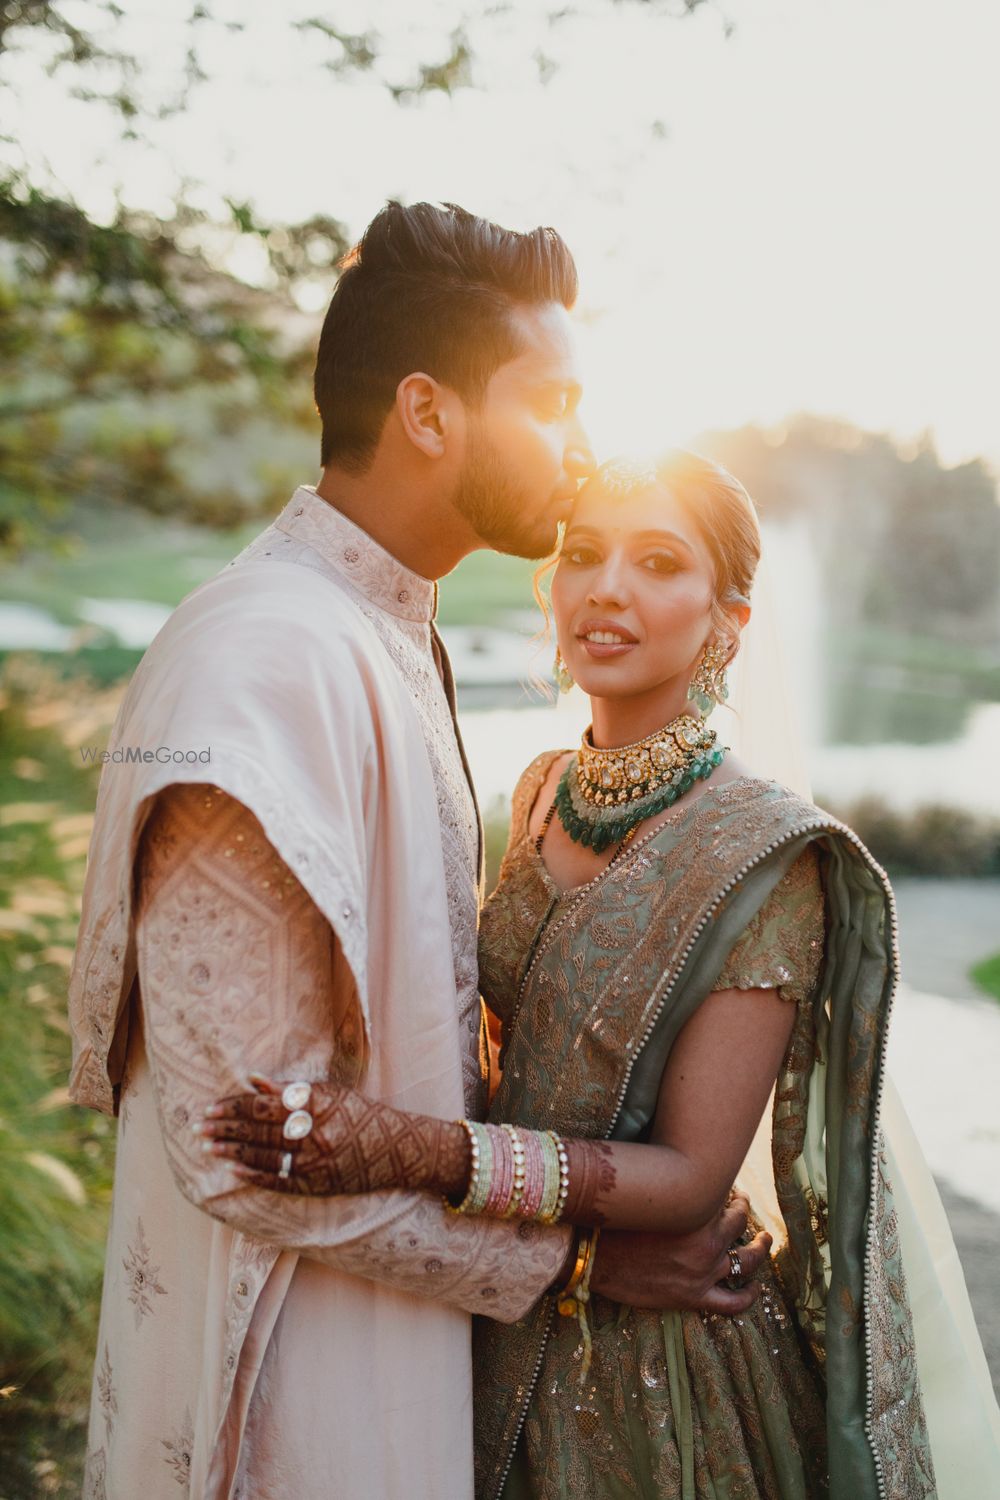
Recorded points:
(794, 212)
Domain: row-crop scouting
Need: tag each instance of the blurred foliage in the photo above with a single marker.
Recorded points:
(496, 829)
(123, 348)
(931, 840)
(128, 351)
(55, 1160)
(126, 348)
(987, 975)
(908, 544)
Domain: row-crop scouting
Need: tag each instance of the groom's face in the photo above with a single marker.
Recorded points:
(525, 449)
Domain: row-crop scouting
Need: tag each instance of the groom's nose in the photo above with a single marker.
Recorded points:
(578, 460)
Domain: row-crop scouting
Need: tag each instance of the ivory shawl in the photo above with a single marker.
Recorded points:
(273, 668)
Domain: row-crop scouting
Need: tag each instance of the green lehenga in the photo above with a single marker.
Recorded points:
(814, 1392)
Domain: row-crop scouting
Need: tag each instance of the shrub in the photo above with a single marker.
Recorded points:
(930, 841)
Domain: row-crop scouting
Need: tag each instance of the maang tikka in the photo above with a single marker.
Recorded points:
(708, 685)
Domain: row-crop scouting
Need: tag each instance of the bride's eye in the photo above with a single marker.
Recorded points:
(580, 557)
(661, 562)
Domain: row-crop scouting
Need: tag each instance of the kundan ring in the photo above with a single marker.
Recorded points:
(296, 1095)
(298, 1125)
(285, 1170)
(735, 1277)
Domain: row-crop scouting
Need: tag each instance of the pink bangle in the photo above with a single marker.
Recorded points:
(534, 1176)
(502, 1177)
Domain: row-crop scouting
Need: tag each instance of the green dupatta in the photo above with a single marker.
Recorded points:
(604, 994)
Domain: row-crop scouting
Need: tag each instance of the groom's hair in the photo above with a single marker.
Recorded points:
(427, 288)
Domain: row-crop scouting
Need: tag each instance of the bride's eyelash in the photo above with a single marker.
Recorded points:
(583, 556)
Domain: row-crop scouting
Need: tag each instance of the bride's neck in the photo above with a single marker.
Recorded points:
(622, 721)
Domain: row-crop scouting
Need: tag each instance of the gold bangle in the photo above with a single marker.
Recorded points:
(586, 1244)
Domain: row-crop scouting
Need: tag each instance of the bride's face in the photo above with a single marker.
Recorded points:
(632, 596)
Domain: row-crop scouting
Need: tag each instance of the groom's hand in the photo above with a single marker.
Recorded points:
(681, 1272)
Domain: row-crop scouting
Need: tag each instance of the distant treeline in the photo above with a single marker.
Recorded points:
(907, 544)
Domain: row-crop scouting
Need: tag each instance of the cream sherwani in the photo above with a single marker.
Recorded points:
(305, 903)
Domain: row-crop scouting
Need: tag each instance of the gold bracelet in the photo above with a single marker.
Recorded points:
(586, 1244)
(575, 1296)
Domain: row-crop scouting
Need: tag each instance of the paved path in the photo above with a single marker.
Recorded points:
(945, 927)
(944, 1058)
(977, 1236)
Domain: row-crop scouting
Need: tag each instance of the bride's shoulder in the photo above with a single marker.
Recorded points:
(748, 795)
(549, 764)
(539, 770)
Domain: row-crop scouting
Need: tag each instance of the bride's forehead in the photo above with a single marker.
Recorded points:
(653, 509)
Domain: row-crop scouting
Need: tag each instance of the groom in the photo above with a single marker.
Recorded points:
(311, 912)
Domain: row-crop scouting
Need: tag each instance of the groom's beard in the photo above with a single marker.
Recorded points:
(499, 510)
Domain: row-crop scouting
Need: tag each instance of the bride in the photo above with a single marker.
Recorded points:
(672, 941)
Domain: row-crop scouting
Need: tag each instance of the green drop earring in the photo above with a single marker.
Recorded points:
(708, 685)
(561, 673)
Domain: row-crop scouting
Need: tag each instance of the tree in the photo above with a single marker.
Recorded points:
(126, 348)
(908, 544)
(115, 338)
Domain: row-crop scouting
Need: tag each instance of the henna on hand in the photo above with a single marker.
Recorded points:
(356, 1145)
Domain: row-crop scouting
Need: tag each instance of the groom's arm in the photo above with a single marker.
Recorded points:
(239, 970)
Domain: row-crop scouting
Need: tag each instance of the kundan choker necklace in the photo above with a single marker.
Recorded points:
(604, 794)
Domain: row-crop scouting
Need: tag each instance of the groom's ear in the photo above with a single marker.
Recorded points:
(423, 406)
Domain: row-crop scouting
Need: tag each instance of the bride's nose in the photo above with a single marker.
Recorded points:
(609, 586)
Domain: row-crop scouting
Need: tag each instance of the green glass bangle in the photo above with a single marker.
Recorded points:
(553, 1177)
(482, 1170)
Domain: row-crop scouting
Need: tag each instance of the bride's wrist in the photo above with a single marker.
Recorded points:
(452, 1167)
(569, 1263)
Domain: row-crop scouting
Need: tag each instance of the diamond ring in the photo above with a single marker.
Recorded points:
(298, 1125)
(296, 1095)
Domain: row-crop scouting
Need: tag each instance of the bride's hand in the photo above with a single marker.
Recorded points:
(351, 1144)
(685, 1271)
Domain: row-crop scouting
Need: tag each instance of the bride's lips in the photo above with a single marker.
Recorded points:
(605, 650)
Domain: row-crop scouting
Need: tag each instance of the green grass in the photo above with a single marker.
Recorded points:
(987, 975)
(486, 589)
(123, 554)
(120, 554)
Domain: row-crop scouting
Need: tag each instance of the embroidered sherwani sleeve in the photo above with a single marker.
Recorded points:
(239, 970)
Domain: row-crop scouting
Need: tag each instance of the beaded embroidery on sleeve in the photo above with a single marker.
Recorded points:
(782, 946)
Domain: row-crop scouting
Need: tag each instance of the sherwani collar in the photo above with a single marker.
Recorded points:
(364, 562)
